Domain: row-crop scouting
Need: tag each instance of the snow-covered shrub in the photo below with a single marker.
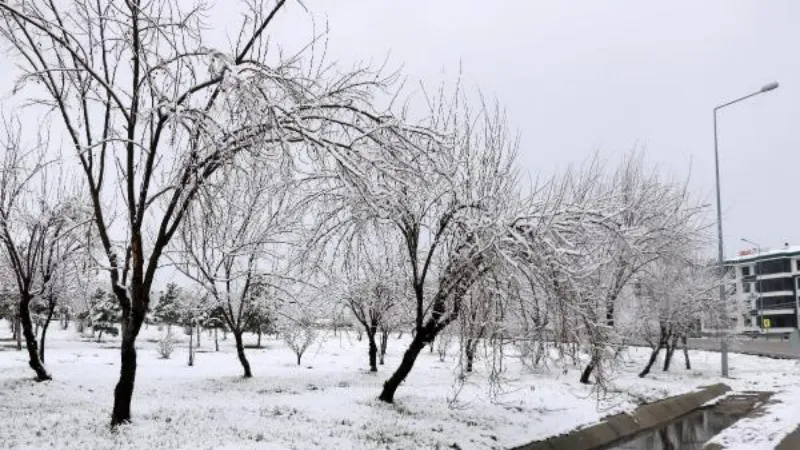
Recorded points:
(166, 345)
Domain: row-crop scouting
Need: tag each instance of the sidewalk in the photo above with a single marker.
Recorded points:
(775, 426)
(759, 347)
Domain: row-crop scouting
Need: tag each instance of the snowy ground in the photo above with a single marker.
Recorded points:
(330, 400)
(763, 432)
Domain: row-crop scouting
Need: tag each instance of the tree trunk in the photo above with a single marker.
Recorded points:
(18, 332)
(259, 337)
(651, 361)
(191, 353)
(36, 329)
(66, 320)
(384, 344)
(668, 356)
(240, 352)
(216, 341)
(46, 325)
(299, 355)
(409, 357)
(30, 340)
(430, 344)
(587, 372)
(99, 335)
(686, 352)
(470, 354)
(199, 332)
(123, 392)
(373, 351)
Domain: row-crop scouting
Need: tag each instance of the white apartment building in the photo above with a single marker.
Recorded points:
(767, 289)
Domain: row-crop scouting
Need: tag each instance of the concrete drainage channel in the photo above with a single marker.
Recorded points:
(673, 423)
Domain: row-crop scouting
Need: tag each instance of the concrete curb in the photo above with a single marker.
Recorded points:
(791, 441)
(620, 426)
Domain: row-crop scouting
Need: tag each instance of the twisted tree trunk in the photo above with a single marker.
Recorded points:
(30, 339)
(237, 335)
(587, 372)
(373, 350)
(409, 357)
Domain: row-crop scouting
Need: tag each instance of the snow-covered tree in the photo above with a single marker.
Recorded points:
(262, 318)
(41, 227)
(299, 330)
(193, 311)
(445, 194)
(216, 321)
(235, 245)
(153, 112)
(671, 298)
(104, 314)
(9, 302)
(166, 311)
(588, 236)
(374, 287)
(371, 302)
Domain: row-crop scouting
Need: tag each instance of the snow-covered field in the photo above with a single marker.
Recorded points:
(330, 400)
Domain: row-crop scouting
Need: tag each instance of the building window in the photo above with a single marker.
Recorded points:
(746, 270)
(782, 320)
(746, 287)
(775, 284)
(774, 266)
(779, 302)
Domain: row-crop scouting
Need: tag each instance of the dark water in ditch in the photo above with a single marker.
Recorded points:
(688, 432)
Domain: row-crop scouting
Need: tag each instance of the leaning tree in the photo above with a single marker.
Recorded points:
(152, 112)
(444, 194)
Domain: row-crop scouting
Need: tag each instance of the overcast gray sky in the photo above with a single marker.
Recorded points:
(583, 76)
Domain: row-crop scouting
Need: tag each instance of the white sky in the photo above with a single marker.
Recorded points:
(585, 76)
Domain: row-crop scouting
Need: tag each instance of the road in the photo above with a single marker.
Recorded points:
(762, 347)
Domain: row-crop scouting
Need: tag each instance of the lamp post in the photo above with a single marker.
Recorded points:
(720, 255)
(758, 284)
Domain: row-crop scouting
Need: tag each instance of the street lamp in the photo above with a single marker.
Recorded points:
(758, 284)
(720, 256)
